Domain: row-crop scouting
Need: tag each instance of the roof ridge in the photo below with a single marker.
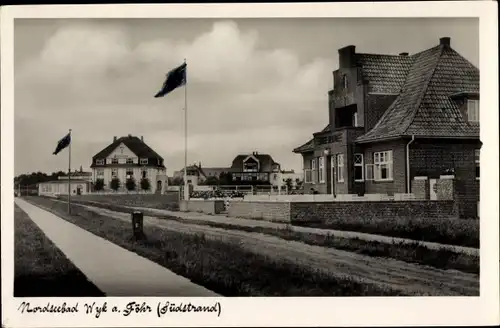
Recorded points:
(424, 90)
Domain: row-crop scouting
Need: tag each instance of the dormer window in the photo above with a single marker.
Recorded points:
(130, 160)
(114, 161)
(143, 161)
(99, 162)
(473, 111)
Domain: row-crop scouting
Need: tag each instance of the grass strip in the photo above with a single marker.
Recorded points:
(224, 267)
(407, 252)
(40, 268)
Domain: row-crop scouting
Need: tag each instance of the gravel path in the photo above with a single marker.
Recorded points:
(410, 278)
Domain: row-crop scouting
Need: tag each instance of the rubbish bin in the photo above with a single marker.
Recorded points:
(137, 224)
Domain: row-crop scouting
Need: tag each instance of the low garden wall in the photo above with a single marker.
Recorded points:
(320, 212)
(261, 210)
(206, 206)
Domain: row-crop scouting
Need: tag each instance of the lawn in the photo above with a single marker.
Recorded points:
(412, 253)
(224, 267)
(40, 268)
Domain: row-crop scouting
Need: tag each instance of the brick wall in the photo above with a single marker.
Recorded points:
(322, 211)
(420, 188)
(431, 157)
(202, 206)
(398, 185)
(260, 210)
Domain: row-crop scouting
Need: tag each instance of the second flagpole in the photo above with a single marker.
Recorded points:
(69, 174)
(186, 189)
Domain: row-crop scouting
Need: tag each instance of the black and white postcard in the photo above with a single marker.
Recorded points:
(328, 164)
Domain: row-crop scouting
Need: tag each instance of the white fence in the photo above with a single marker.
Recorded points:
(330, 198)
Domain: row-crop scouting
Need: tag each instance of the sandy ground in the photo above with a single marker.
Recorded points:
(407, 277)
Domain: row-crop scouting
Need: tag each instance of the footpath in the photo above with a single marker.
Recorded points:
(113, 269)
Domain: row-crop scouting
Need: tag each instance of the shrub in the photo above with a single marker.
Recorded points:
(145, 184)
(114, 184)
(130, 184)
(99, 185)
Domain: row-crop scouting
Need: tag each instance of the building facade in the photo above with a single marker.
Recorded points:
(60, 187)
(129, 157)
(395, 117)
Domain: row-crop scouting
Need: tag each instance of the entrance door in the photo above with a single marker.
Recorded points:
(79, 190)
(433, 189)
(158, 186)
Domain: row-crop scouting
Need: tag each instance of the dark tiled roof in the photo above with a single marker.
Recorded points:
(424, 106)
(136, 145)
(385, 73)
(264, 160)
(309, 146)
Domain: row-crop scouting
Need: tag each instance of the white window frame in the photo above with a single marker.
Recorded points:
(128, 176)
(100, 172)
(142, 174)
(99, 162)
(114, 173)
(115, 161)
(143, 161)
(129, 160)
(321, 169)
(380, 159)
(359, 161)
(306, 175)
(313, 171)
(473, 110)
(340, 167)
(477, 161)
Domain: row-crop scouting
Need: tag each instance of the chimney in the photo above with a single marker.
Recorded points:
(129, 135)
(142, 138)
(404, 54)
(445, 41)
(347, 57)
(199, 164)
(114, 138)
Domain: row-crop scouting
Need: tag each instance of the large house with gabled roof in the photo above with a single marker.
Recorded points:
(395, 117)
(130, 157)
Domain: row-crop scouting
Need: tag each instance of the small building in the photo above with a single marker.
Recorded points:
(60, 187)
(127, 158)
(395, 117)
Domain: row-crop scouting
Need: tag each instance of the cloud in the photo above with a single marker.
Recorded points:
(100, 82)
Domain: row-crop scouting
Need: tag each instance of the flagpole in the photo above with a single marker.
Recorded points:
(186, 189)
(69, 174)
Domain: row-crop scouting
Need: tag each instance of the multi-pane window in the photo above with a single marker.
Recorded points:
(130, 160)
(477, 163)
(321, 169)
(383, 165)
(340, 167)
(129, 173)
(99, 162)
(144, 174)
(473, 110)
(100, 173)
(114, 173)
(313, 170)
(358, 167)
(114, 161)
(143, 161)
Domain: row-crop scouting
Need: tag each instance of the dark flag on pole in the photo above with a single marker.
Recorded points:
(63, 143)
(175, 78)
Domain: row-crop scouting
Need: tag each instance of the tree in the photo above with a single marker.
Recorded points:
(114, 184)
(289, 184)
(298, 183)
(145, 184)
(177, 181)
(99, 185)
(211, 181)
(130, 184)
(225, 178)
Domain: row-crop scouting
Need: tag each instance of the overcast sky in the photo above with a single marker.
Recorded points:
(253, 84)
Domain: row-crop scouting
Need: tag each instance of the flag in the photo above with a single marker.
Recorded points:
(175, 78)
(63, 143)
